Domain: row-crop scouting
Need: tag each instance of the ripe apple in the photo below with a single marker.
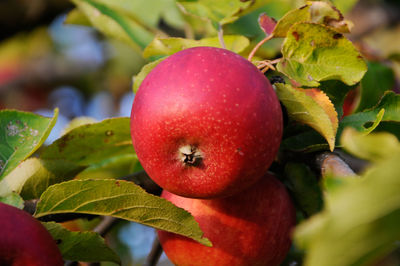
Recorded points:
(204, 122)
(24, 241)
(250, 228)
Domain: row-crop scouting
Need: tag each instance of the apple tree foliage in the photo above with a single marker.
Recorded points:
(342, 219)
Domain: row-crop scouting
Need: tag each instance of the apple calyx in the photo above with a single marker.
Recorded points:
(190, 155)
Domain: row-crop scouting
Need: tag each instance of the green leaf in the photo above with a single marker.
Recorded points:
(81, 246)
(13, 199)
(138, 79)
(92, 143)
(314, 53)
(219, 12)
(21, 134)
(114, 167)
(386, 110)
(372, 147)
(115, 24)
(306, 142)
(378, 79)
(77, 122)
(304, 187)
(315, 12)
(311, 107)
(34, 175)
(120, 199)
(169, 46)
(360, 222)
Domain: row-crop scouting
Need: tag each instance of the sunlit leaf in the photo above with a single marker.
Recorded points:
(81, 246)
(34, 175)
(21, 134)
(92, 143)
(314, 53)
(219, 12)
(115, 24)
(119, 199)
(311, 107)
(372, 147)
(169, 46)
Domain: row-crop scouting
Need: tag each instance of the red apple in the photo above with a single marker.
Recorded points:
(250, 228)
(24, 241)
(204, 122)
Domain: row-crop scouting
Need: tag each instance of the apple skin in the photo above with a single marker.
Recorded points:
(214, 108)
(24, 241)
(251, 228)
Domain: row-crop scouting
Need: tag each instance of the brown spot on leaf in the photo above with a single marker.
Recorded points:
(337, 36)
(296, 35)
(117, 183)
(64, 141)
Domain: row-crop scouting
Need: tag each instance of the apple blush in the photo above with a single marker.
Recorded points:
(206, 123)
(24, 241)
(250, 228)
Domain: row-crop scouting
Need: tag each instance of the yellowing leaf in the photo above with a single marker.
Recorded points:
(311, 107)
(314, 53)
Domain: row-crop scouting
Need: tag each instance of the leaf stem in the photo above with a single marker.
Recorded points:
(253, 52)
(221, 36)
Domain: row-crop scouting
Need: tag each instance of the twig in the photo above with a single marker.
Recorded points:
(253, 52)
(333, 164)
(155, 253)
(105, 225)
